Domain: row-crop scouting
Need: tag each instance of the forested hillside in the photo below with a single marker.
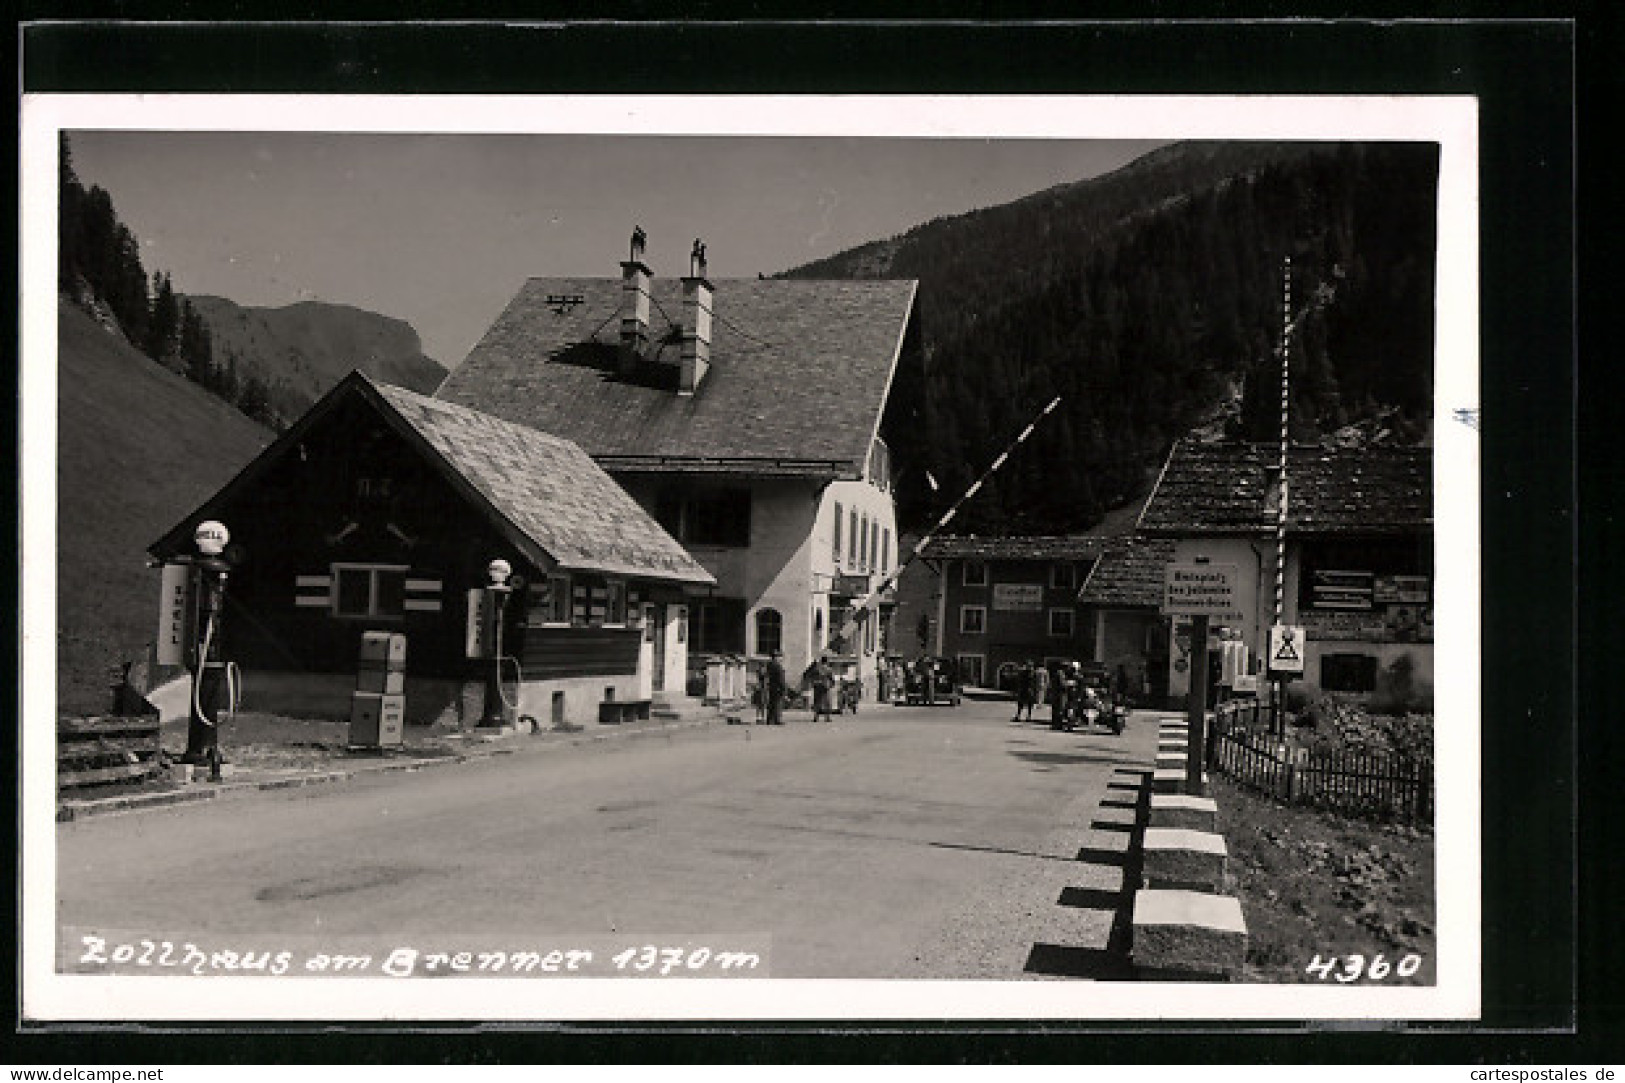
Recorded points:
(1150, 299)
(302, 350)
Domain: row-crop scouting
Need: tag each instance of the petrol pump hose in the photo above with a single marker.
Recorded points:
(233, 681)
(519, 674)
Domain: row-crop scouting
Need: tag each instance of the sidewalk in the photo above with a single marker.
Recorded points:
(264, 752)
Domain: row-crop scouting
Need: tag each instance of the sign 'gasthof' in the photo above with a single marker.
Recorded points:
(1200, 590)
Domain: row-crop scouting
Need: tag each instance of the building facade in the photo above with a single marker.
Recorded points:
(1358, 568)
(1121, 597)
(382, 510)
(1005, 601)
(747, 416)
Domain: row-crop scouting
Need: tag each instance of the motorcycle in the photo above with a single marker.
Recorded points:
(1119, 717)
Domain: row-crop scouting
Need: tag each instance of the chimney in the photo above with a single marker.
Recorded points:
(635, 276)
(696, 323)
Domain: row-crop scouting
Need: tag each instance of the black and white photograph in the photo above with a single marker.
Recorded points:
(684, 557)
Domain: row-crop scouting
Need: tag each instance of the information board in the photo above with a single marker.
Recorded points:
(1018, 597)
(1201, 590)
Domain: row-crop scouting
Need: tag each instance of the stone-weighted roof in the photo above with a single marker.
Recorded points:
(1129, 574)
(1210, 489)
(546, 494)
(550, 489)
(799, 374)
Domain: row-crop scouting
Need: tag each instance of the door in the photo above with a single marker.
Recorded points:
(654, 624)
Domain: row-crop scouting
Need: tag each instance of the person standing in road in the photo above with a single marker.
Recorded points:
(1026, 681)
(774, 689)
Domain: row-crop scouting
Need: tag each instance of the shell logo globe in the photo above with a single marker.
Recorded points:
(211, 538)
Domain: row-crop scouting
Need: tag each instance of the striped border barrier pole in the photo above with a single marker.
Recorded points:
(872, 599)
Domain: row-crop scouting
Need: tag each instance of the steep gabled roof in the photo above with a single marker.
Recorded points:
(800, 371)
(542, 491)
(1231, 489)
(1016, 547)
(1129, 574)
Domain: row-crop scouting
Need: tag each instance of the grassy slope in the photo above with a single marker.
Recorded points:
(137, 448)
(1313, 884)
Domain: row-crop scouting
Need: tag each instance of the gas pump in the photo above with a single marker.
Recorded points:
(214, 682)
(486, 606)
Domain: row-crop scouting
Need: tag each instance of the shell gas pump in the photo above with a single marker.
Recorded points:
(483, 641)
(191, 603)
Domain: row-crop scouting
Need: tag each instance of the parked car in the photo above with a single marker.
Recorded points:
(933, 680)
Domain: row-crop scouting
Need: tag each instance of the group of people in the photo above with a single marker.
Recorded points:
(774, 687)
(1061, 685)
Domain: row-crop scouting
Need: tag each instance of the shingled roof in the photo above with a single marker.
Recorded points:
(552, 499)
(799, 374)
(1210, 489)
(1129, 574)
(1016, 547)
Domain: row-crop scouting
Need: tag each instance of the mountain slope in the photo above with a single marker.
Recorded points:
(299, 351)
(1149, 300)
(138, 447)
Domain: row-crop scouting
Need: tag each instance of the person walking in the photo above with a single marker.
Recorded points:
(774, 689)
(822, 679)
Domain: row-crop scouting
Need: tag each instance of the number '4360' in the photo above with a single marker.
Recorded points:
(1351, 968)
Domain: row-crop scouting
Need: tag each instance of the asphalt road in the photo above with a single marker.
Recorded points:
(898, 843)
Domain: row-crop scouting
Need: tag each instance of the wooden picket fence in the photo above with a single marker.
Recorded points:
(1387, 786)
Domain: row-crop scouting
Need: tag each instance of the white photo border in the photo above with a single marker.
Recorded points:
(1449, 121)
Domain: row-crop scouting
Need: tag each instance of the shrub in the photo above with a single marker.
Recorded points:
(1399, 691)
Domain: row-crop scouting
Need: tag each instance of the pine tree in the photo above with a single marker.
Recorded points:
(163, 339)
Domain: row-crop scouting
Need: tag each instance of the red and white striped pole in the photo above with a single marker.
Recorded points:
(1286, 425)
(1281, 495)
(873, 596)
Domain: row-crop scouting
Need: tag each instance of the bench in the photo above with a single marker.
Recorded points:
(92, 751)
(612, 712)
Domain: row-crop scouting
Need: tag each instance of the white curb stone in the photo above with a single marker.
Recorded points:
(1171, 780)
(1189, 932)
(1183, 810)
(1178, 857)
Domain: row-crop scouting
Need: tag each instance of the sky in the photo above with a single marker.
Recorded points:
(441, 230)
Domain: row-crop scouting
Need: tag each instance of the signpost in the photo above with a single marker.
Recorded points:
(1287, 648)
(1198, 590)
(1286, 651)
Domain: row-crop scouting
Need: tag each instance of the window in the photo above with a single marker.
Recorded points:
(840, 515)
(1348, 672)
(719, 626)
(972, 668)
(717, 518)
(885, 551)
(852, 534)
(617, 603)
(973, 574)
(369, 590)
(556, 609)
(972, 619)
(863, 544)
(1063, 576)
(874, 544)
(769, 631)
(1061, 622)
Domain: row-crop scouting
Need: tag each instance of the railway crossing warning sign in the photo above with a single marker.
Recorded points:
(1286, 648)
